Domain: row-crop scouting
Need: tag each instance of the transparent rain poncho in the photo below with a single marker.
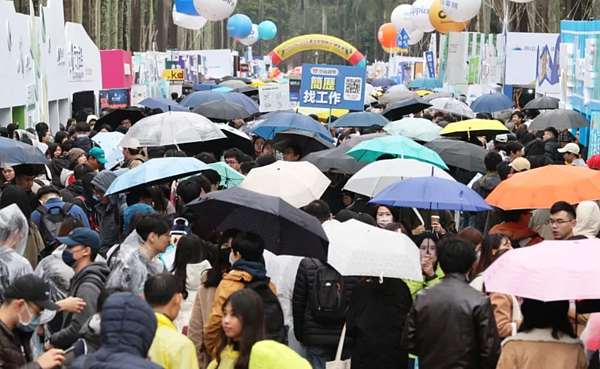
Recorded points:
(56, 274)
(13, 239)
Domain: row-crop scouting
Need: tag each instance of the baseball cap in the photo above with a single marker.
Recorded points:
(33, 289)
(502, 138)
(98, 153)
(573, 148)
(520, 164)
(81, 236)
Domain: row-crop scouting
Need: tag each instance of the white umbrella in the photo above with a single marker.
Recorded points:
(297, 183)
(172, 128)
(417, 129)
(358, 249)
(109, 142)
(452, 106)
(377, 176)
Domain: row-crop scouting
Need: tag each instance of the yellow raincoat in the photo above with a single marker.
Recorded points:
(228, 359)
(171, 349)
(274, 355)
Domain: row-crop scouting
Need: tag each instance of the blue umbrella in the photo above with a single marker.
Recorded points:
(286, 120)
(156, 171)
(426, 83)
(491, 103)
(198, 98)
(362, 119)
(383, 82)
(205, 87)
(223, 89)
(15, 152)
(243, 100)
(431, 193)
(163, 104)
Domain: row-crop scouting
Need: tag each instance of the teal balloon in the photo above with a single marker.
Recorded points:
(267, 30)
(239, 26)
(362, 63)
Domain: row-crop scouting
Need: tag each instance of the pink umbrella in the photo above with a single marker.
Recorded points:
(549, 271)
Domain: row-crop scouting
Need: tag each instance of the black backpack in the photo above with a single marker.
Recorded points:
(327, 299)
(274, 324)
(50, 223)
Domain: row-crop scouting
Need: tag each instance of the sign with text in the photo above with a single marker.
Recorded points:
(295, 90)
(333, 87)
(274, 97)
(174, 75)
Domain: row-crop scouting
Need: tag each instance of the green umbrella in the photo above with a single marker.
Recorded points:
(398, 147)
(229, 177)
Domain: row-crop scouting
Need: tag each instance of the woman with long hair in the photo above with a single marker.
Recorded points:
(432, 273)
(491, 244)
(54, 151)
(242, 326)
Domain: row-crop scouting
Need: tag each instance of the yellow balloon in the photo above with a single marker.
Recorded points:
(441, 22)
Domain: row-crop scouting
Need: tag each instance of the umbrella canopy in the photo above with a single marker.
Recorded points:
(452, 106)
(232, 83)
(156, 171)
(229, 176)
(383, 82)
(405, 107)
(234, 138)
(336, 160)
(109, 142)
(449, 88)
(439, 95)
(163, 104)
(115, 117)
(396, 88)
(222, 110)
(431, 193)
(223, 89)
(308, 142)
(460, 154)
(425, 83)
(550, 271)
(247, 90)
(361, 119)
(391, 97)
(323, 114)
(201, 97)
(296, 183)
(423, 93)
(473, 128)
(171, 128)
(542, 187)
(389, 254)
(491, 103)
(542, 103)
(559, 118)
(234, 78)
(417, 129)
(257, 83)
(15, 152)
(378, 175)
(282, 121)
(243, 100)
(205, 87)
(397, 146)
(285, 229)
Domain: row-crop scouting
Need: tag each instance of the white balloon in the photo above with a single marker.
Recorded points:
(401, 18)
(215, 10)
(188, 21)
(252, 37)
(419, 15)
(415, 37)
(461, 10)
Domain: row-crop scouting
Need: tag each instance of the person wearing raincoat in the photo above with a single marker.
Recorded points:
(432, 272)
(588, 220)
(274, 355)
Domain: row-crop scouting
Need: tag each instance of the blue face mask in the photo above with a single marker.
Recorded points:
(34, 321)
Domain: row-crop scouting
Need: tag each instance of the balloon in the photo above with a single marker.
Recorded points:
(387, 35)
(401, 18)
(215, 10)
(461, 10)
(186, 7)
(419, 15)
(252, 37)
(267, 30)
(188, 21)
(441, 22)
(239, 26)
(416, 36)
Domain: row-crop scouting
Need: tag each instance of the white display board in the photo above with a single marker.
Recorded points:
(274, 97)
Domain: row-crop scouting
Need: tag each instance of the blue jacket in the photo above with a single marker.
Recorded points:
(56, 203)
(127, 330)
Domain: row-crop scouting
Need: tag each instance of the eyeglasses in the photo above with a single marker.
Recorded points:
(558, 221)
(231, 162)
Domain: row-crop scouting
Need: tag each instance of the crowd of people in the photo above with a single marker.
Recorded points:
(86, 280)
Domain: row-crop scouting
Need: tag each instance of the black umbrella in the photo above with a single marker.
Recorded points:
(559, 118)
(405, 107)
(222, 110)
(336, 161)
(459, 154)
(308, 142)
(248, 90)
(232, 78)
(235, 138)
(285, 229)
(541, 103)
(115, 117)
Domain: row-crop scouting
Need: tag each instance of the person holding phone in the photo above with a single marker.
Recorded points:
(432, 272)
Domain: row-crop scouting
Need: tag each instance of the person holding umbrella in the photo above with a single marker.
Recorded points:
(430, 266)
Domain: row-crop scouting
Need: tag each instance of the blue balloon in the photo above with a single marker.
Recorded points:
(239, 26)
(267, 30)
(186, 7)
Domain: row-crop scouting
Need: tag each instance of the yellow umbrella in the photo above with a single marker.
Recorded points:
(423, 93)
(322, 113)
(257, 83)
(479, 127)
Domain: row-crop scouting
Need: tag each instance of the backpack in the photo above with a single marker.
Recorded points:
(88, 211)
(327, 299)
(274, 325)
(50, 223)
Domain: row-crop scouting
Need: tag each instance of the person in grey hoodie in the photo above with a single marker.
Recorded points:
(107, 210)
(87, 283)
(486, 184)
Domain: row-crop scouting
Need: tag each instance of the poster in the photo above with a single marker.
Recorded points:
(521, 56)
(333, 87)
(138, 94)
(114, 99)
(214, 63)
(295, 89)
(274, 97)
(174, 76)
(594, 139)
(456, 62)
(474, 69)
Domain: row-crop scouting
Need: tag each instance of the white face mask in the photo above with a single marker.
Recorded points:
(231, 258)
(383, 221)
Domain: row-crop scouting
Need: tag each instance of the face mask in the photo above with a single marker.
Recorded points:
(230, 260)
(95, 198)
(224, 254)
(67, 257)
(51, 139)
(383, 221)
(34, 321)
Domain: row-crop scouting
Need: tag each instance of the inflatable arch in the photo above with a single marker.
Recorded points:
(317, 42)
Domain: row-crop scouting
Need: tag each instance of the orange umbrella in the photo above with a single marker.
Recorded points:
(542, 187)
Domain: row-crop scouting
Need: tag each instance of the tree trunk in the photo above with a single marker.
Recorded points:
(303, 9)
(261, 17)
(341, 16)
(126, 23)
(280, 22)
(105, 17)
(137, 29)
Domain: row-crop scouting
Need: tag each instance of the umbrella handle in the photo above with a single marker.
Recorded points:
(381, 278)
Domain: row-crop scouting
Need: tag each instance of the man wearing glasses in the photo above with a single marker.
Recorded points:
(562, 220)
(234, 158)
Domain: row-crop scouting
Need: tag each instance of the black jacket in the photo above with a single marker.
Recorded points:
(76, 188)
(56, 167)
(11, 356)
(375, 321)
(306, 329)
(452, 325)
(551, 147)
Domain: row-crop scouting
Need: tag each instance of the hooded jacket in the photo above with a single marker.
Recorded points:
(108, 216)
(76, 188)
(87, 285)
(537, 149)
(56, 167)
(84, 143)
(87, 344)
(588, 219)
(551, 147)
(519, 233)
(171, 349)
(126, 333)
